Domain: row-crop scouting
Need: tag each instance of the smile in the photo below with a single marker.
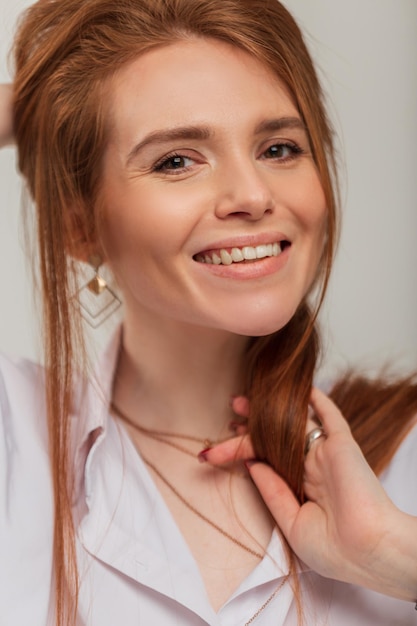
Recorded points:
(228, 256)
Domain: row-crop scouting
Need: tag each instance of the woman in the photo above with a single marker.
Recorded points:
(185, 145)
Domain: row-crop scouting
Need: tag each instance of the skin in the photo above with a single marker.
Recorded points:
(166, 201)
(181, 316)
(230, 192)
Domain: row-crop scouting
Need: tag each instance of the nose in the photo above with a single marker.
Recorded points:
(243, 191)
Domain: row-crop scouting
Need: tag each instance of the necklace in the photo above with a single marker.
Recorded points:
(163, 436)
(160, 436)
(192, 508)
(268, 600)
(224, 533)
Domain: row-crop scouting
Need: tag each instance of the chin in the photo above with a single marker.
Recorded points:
(260, 327)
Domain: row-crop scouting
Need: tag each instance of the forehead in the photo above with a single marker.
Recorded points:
(194, 81)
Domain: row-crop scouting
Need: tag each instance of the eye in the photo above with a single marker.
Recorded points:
(173, 162)
(283, 152)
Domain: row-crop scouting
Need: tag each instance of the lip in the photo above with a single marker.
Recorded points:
(248, 270)
(241, 241)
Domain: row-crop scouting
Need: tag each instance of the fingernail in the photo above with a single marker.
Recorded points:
(202, 456)
(249, 463)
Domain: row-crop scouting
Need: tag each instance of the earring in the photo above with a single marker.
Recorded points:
(97, 300)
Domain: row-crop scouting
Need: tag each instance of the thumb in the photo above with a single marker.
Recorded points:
(276, 494)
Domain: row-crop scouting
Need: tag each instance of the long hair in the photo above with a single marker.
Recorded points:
(64, 52)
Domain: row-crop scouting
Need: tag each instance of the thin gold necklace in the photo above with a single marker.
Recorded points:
(192, 508)
(164, 436)
(268, 600)
(158, 436)
(161, 437)
(224, 533)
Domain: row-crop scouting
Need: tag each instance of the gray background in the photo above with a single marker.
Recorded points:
(367, 52)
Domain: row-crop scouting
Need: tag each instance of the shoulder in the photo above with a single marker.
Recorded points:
(26, 497)
(23, 429)
(19, 375)
(22, 399)
(400, 477)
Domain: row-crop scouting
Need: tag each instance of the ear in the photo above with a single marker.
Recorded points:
(86, 251)
(82, 241)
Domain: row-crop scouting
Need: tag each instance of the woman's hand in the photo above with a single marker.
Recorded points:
(348, 529)
(6, 117)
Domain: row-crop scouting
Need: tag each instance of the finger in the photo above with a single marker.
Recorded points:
(311, 424)
(242, 429)
(238, 428)
(329, 414)
(238, 448)
(240, 405)
(313, 428)
(277, 495)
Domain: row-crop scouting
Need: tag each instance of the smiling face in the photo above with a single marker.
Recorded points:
(213, 212)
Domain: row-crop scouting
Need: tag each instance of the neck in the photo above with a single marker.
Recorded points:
(179, 377)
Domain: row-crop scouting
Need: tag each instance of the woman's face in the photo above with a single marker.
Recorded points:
(214, 214)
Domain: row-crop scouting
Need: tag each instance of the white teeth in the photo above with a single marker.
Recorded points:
(226, 257)
(237, 255)
(261, 252)
(249, 254)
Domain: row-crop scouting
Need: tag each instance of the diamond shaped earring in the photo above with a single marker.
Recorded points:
(97, 300)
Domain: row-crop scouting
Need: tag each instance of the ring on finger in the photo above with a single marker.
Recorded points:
(312, 436)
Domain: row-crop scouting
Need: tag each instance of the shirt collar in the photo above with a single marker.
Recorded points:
(91, 406)
(90, 420)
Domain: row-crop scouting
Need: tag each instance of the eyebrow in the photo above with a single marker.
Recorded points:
(281, 123)
(204, 133)
(171, 134)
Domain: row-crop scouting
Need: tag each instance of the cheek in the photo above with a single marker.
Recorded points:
(145, 227)
(319, 229)
(312, 214)
(312, 211)
(131, 221)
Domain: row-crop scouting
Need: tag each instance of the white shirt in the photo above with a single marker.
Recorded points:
(136, 568)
